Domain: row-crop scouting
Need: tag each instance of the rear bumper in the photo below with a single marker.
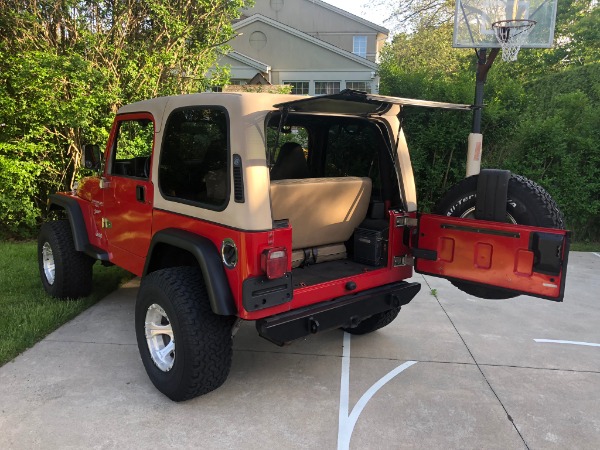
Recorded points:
(346, 311)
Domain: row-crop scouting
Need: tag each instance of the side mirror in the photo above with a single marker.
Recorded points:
(92, 156)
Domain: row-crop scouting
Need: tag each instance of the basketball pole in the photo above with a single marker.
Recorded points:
(475, 141)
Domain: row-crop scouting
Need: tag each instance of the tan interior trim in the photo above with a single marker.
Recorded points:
(321, 210)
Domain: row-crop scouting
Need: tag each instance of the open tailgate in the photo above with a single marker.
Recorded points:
(519, 258)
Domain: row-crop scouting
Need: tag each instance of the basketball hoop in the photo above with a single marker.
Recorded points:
(511, 34)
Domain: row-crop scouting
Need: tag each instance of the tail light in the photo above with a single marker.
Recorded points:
(274, 262)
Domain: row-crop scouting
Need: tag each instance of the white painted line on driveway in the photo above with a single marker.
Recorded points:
(347, 422)
(550, 341)
(598, 255)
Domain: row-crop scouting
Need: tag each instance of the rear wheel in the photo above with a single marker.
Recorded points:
(65, 272)
(527, 204)
(185, 347)
(375, 322)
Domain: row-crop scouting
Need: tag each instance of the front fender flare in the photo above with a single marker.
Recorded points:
(78, 228)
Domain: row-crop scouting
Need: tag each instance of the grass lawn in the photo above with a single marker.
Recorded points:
(585, 246)
(28, 313)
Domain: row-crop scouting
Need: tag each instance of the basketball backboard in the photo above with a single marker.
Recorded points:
(474, 18)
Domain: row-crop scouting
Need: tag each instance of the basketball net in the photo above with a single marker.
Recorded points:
(511, 34)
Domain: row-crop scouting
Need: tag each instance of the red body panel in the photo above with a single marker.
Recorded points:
(371, 278)
(93, 209)
(488, 253)
(250, 246)
(91, 217)
(130, 228)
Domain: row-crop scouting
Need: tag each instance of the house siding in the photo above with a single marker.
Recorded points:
(304, 41)
(321, 22)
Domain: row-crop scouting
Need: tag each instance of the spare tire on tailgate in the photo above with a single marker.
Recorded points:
(527, 203)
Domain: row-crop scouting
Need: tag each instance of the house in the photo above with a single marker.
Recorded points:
(310, 44)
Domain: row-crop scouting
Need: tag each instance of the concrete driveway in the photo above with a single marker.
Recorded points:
(450, 372)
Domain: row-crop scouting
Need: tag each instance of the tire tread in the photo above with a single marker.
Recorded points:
(206, 336)
(73, 273)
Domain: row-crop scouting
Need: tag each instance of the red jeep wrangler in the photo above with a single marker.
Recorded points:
(296, 213)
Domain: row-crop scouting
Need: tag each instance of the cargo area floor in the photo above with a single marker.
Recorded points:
(327, 271)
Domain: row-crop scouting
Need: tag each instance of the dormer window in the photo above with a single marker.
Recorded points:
(359, 46)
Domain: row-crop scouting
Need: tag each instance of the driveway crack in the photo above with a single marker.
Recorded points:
(508, 416)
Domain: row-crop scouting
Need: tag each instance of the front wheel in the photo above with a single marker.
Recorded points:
(65, 272)
(186, 349)
(527, 203)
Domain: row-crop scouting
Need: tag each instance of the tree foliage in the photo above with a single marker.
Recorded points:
(413, 14)
(66, 66)
(542, 114)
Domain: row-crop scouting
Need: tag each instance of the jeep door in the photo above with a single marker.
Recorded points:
(128, 192)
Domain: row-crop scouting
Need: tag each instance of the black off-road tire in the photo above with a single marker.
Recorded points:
(375, 322)
(203, 341)
(527, 204)
(65, 272)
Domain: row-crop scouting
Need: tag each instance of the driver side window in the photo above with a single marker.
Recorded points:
(133, 148)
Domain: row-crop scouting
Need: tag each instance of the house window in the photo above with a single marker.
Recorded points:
(238, 82)
(194, 159)
(298, 87)
(327, 87)
(363, 86)
(359, 46)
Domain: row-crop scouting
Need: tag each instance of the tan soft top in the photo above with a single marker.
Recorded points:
(237, 103)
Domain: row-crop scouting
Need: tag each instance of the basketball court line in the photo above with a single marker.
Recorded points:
(551, 341)
(347, 422)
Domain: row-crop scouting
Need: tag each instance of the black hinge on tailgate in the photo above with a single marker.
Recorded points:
(411, 236)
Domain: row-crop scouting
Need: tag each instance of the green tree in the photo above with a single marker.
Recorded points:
(423, 65)
(66, 66)
(542, 112)
(557, 143)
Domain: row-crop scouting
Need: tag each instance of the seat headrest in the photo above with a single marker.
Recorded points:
(290, 163)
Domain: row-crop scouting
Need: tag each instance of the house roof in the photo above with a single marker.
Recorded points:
(307, 37)
(351, 16)
(258, 65)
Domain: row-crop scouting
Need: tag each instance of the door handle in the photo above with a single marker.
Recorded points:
(140, 193)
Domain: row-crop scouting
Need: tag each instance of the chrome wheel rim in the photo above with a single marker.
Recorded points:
(48, 263)
(159, 336)
(470, 214)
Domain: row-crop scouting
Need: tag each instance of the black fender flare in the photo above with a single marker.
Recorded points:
(78, 228)
(207, 256)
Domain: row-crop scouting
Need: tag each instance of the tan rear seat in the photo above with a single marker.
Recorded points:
(321, 211)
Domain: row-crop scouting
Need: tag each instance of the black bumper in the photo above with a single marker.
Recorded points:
(342, 312)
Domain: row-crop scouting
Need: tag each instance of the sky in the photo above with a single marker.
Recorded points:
(357, 7)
